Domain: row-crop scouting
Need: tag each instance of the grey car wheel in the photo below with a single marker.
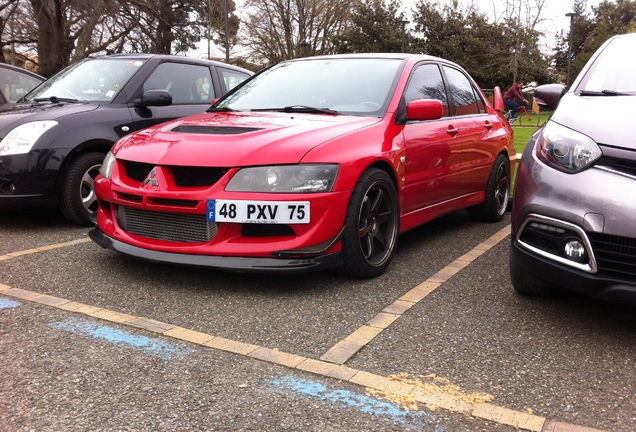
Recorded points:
(77, 199)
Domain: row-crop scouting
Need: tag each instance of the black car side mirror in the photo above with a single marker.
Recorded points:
(549, 95)
(154, 98)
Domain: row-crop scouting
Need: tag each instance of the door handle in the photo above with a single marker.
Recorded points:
(452, 130)
(488, 124)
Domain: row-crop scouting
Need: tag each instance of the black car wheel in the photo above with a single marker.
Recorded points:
(526, 283)
(371, 225)
(78, 200)
(497, 193)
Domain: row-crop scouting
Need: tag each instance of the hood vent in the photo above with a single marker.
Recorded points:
(214, 130)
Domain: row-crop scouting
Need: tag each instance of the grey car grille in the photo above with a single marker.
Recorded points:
(171, 227)
(615, 255)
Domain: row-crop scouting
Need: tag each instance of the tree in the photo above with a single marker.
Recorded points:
(374, 27)
(276, 30)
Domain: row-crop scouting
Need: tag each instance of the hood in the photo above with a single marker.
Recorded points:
(236, 139)
(606, 119)
(17, 114)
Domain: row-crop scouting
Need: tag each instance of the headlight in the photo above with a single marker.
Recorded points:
(106, 169)
(565, 149)
(21, 139)
(284, 178)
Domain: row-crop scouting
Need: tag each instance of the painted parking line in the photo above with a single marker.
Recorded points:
(408, 419)
(376, 384)
(153, 346)
(43, 248)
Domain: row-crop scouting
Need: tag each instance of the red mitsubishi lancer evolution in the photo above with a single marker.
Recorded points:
(312, 163)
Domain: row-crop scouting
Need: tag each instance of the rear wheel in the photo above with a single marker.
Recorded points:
(77, 196)
(497, 193)
(372, 225)
(533, 119)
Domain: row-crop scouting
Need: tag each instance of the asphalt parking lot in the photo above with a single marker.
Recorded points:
(90, 340)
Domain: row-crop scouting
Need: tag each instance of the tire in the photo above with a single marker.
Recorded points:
(526, 283)
(77, 194)
(497, 193)
(533, 121)
(372, 225)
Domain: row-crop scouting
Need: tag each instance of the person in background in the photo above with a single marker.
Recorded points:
(513, 93)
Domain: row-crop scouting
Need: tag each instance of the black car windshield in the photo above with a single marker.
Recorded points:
(91, 80)
(352, 86)
(614, 71)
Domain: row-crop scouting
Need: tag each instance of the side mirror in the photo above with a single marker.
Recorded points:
(155, 98)
(549, 95)
(424, 109)
(497, 99)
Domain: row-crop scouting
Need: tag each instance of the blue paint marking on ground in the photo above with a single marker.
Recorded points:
(5, 303)
(111, 334)
(346, 399)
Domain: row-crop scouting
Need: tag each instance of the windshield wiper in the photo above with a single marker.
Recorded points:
(602, 93)
(55, 99)
(300, 109)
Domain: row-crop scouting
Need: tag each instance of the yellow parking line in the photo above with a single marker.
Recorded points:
(342, 351)
(43, 249)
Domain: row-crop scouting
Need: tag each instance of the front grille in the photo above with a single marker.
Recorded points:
(615, 255)
(138, 171)
(171, 227)
(196, 176)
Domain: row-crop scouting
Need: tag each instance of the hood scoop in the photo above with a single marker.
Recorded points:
(214, 130)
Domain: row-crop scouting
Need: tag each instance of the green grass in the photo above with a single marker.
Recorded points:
(522, 134)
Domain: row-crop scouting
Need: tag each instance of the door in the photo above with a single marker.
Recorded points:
(433, 154)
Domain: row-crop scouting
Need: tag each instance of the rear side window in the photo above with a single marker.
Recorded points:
(466, 100)
(14, 84)
(426, 83)
(188, 84)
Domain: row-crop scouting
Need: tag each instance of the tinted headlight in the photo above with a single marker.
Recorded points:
(565, 149)
(284, 178)
(106, 170)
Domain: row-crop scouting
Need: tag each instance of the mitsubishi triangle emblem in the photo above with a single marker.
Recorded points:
(151, 178)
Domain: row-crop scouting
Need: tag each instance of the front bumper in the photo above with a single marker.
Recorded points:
(225, 263)
(567, 278)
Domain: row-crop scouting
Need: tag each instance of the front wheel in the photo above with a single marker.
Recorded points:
(531, 118)
(372, 225)
(77, 196)
(497, 193)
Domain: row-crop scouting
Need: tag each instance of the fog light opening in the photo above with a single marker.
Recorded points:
(7, 188)
(575, 250)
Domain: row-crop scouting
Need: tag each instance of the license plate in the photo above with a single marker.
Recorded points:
(236, 211)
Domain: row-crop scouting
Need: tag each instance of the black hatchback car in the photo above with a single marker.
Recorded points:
(53, 141)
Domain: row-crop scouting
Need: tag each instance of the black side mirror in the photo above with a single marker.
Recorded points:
(549, 95)
(155, 98)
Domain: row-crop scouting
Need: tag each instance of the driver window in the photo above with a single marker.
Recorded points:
(426, 83)
(188, 84)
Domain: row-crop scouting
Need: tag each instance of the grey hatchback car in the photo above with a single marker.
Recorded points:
(574, 210)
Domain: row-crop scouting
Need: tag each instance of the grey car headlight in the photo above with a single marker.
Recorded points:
(565, 149)
(106, 170)
(284, 178)
(21, 139)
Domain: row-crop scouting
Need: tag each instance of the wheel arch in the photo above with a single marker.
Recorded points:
(94, 145)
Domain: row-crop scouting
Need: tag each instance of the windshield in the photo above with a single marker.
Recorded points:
(94, 80)
(614, 71)
(353, 86)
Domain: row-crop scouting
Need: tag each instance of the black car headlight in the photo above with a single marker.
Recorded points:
(284, 178)
(565, 149)
(21, 139)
